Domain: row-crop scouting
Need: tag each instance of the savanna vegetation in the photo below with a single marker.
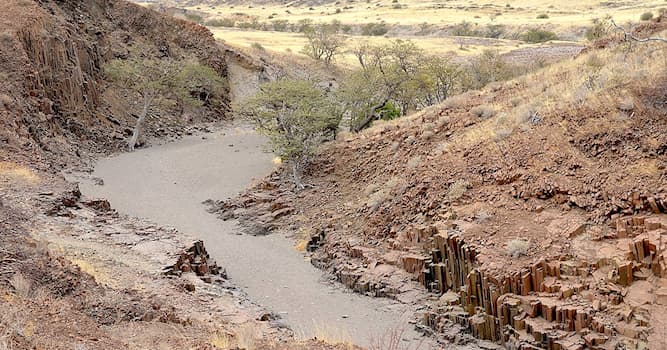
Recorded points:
(165, 84)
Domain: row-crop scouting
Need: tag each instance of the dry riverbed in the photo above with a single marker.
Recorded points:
(167, 184)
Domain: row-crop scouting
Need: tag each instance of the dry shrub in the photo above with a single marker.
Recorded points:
(455, 102)
(458, 189)
(501, 134)
(483, 111)
(246, 337)
(21, 284)
(5, 100)
(414, 162)
(627, 104)
(221, 340)
(517, 247)
(443, 121)
(379, 194)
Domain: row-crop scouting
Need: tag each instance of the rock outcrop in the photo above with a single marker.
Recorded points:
(54, 99)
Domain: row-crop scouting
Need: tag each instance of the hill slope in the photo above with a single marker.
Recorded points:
(54, 100)
(534, 208)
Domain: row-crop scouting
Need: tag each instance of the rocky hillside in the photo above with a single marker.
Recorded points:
(75, 274)
(54, 99)
(533, 210)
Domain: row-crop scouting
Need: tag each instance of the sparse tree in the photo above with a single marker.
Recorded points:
(399, 73)
(296, 116)
(157, 81)
(324, 42)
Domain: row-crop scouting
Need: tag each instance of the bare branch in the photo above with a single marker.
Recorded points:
(629, 37)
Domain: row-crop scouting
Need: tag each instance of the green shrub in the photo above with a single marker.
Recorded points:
(465, 29)
(280, 25)
(389, 111)
(535, 35)
(542, 16)
(494, 31)
(374, 29)
(194, 17)
(225, 22)
(646, 16)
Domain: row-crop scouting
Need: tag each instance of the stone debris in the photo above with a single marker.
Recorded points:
(196, 259)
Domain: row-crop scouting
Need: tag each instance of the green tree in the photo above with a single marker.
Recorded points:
(535, 35)
(324, 42)
(296, 116)
(487, 68)
(158, 81)
(400, 73)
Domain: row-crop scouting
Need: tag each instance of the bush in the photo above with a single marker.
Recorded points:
(484, 111)
(194, 17)
(542, 16)
(646, 16)
(280, 25)
(225, 22)
(487, 68)
(457, 190)
(517, 247)
(538, 36)
(374, 29)
(465, 29)
(494, 31)
(296, 116)
(599, 30)
(389, 111)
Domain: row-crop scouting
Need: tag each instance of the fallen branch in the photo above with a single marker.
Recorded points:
(629, 37)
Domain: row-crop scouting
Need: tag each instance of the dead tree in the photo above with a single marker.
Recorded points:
(629, 37)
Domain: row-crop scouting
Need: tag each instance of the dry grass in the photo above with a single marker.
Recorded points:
(567, 85)
(22, 285)
(221, 340)
(247, 337)
(301, 245)
(392, 339)
(14, 172)
(333, 335)
(98, 275)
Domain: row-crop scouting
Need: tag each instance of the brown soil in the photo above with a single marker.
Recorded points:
(415, 200)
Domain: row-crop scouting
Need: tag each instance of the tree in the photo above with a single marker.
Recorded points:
(296, 116)
(397, 74)
(486, 68)
(324, 42)
(157, 81)
(437, 79)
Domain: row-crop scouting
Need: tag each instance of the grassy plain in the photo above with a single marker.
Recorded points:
(562, 14)
(424, 22)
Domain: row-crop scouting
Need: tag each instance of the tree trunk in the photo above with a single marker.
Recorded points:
(371, 116)
(135, 133)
